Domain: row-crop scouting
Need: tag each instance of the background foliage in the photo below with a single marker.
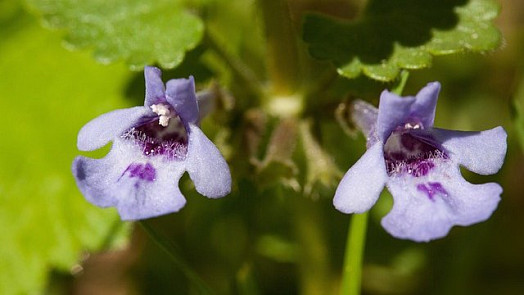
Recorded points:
(277, 233)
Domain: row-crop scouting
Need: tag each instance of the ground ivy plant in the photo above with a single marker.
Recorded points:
(255, 101)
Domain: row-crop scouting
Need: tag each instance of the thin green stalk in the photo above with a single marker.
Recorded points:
(170, 249)
(352, 272)
(313, 266)
(401, 82)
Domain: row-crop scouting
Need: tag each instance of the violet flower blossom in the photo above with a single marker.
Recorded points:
(153, 145)
(420, 166)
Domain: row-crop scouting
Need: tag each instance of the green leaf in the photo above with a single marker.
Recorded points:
(402, 34)
(142, 32)
(46, 95)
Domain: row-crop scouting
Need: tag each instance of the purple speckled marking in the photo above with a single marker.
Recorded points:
(154, 139)
(410, 154)
(142, 171)
(422, 167)
(432, 189)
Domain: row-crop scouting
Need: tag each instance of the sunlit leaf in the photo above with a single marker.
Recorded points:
(140, 31)
(46, 95)
(402, 34)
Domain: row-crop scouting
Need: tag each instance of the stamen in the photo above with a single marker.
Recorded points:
(413, 126)
(163, 120)
(163, 113)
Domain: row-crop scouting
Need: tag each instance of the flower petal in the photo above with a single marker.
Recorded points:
(482, 152)
(138, 186)
(104, 128)
(364, 115)
(181, 95)
(96, 178)
(206, 166)
(362, 184)
(393, 111)
(424, 107)
(155, 90)
(206, 100)
(425, 208)
(93, 177)
(141, 199)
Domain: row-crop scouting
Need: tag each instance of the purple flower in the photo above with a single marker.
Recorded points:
(420, 166)
(153, 145)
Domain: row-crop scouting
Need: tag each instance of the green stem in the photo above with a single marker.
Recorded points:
(401, 82)
(313, 259)
(170, 249)
(282, 46)
(352, 272)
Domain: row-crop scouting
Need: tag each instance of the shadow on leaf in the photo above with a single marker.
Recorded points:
(385, 23)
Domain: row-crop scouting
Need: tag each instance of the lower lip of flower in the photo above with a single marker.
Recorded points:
(154, 139)
(405, 153)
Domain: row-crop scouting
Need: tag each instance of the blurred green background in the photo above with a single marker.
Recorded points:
(255, 241)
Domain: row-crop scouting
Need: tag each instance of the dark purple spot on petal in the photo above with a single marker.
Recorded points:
(432, 189)
(80, 169)
(141, 171)
(437, 187)
(154, 139)
(423, 188)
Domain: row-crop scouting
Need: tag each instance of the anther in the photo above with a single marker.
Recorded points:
(163, 113)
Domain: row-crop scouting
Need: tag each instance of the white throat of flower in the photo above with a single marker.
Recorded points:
(163, 112)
